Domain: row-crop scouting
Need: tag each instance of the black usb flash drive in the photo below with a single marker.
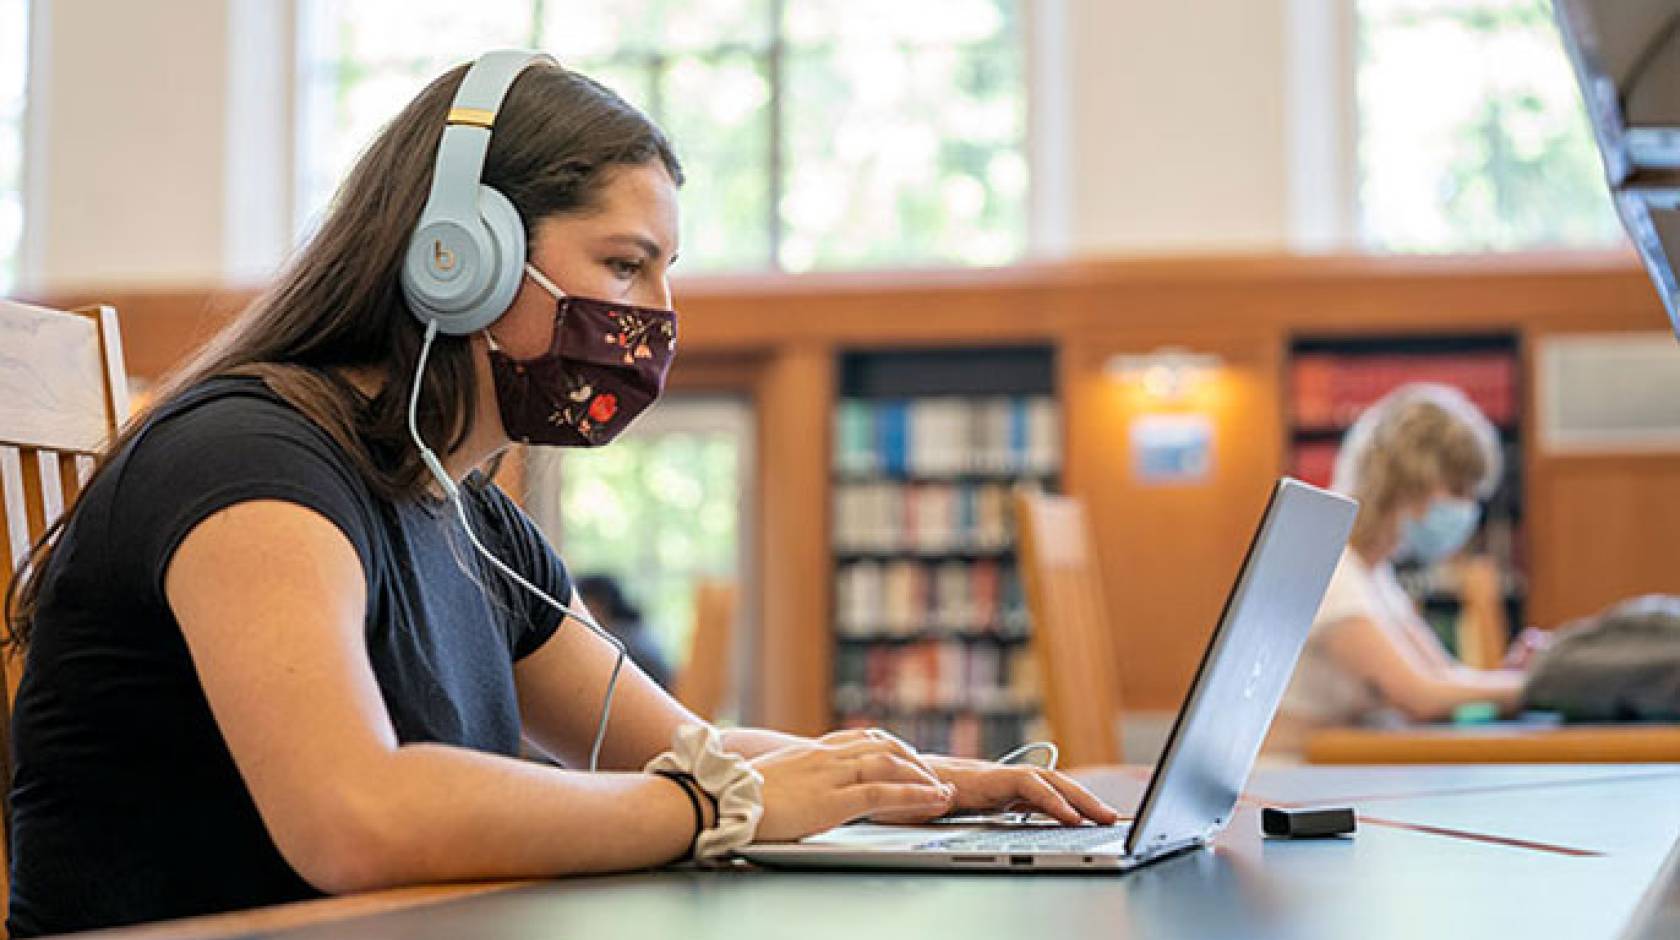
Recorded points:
(1307, 822)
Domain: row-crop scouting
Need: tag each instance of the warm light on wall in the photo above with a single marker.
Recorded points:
(1168, 374)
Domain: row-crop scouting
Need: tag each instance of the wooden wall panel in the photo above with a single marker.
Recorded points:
(1604, 528)
(1170, 553)
(795, 400)
(161, 328)
(1600, 527)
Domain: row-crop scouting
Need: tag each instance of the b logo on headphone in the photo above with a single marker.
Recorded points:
(442, 258)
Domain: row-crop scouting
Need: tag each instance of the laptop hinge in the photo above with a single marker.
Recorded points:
(1172, 848)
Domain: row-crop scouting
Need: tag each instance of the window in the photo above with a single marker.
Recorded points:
(14, 73)
(659, 509)
(815, 133)
(1471, 132)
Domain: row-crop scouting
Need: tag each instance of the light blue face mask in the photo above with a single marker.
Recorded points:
(1442, 530)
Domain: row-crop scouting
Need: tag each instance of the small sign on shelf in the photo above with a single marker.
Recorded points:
(1172, 449)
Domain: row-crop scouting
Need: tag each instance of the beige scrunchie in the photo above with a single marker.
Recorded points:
(697, 750)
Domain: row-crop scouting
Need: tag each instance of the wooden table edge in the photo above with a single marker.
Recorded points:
(300, 913)
(1613, 744)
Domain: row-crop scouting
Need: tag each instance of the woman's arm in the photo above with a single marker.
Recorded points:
(1425, 646)
(562, 686)
(271, 601)
(1410, 682)
(560, 692)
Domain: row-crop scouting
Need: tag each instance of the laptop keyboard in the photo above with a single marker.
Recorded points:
(1032, 839)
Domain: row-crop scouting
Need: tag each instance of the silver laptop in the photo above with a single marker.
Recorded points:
(1213, 743)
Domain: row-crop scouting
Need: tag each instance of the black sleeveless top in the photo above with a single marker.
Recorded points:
(126, 803)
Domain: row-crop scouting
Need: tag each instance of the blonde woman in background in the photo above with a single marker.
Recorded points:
(1417, 461)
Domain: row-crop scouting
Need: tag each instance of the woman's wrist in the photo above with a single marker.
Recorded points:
(723, 782)
(701, 804)
(754, 742)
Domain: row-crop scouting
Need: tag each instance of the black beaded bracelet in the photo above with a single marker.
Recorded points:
(689, 786)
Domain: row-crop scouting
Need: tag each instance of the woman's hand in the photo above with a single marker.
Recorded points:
(1531, 642)
(815, 786)
(983, 786)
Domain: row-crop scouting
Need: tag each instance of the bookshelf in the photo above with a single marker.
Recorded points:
(1332, 379)
(930, 625)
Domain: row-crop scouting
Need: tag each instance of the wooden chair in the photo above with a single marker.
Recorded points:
(63, 394)
(1071, 637)
(1483, 633)
(704, 682)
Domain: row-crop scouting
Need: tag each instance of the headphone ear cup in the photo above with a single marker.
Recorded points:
(443, 274)
(506, 260)
(464, 276)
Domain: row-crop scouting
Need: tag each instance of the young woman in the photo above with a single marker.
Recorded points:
(264, 658)
(1417, 461)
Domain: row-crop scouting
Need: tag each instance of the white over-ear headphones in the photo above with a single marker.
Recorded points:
(466, 255)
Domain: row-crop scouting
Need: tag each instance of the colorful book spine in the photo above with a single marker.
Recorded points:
(1329, 390)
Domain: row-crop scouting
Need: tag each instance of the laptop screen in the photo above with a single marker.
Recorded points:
(1247, 665)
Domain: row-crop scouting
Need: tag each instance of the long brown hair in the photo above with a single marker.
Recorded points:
(338, 304)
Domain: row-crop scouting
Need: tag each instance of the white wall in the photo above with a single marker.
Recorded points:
(165, 132)
(1178, 136)
(131, 99)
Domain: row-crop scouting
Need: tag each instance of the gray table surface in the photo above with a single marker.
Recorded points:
(1586, 859)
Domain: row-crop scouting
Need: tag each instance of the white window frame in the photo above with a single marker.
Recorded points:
(32, 131)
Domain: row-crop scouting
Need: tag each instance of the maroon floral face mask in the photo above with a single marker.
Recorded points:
(606, 365)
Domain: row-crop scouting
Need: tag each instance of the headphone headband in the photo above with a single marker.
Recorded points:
(465, 256)
(466, 135)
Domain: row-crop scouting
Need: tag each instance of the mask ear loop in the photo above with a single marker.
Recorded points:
(543, 281)
(453, 492)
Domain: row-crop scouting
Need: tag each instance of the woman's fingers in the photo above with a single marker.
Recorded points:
(1033, 789)
(1082, 799)
(890, 799)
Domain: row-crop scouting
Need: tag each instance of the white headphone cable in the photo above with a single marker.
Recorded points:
(453, 491)
(1021, 754)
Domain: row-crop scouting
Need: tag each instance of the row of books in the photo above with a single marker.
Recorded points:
(1315, 461)
(947, 436)
(906, 597)
(929, 518)
(962, 735)
(1329, 390)
(935, 675)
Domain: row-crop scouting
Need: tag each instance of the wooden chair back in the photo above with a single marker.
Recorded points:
(703, 683)
(1482, 631)
(63, 394)
(1071, 636)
